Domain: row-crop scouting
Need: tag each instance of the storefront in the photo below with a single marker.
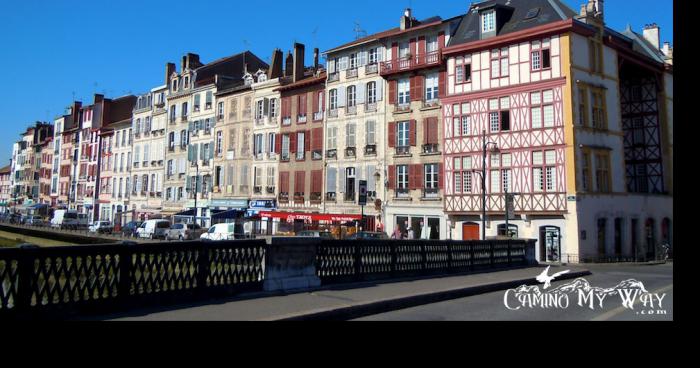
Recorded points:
(290, 224)
(427, 223)
(227, 210)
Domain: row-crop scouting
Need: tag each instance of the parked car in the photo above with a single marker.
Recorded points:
(368, 235)
(153, 229)
(83, 220)
(316, 234)
(130, 228)
(184, 232)
(33, 220)
(102, 227)
(65, 219)
(220, 232)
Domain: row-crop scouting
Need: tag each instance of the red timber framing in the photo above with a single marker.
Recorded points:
(520, 142)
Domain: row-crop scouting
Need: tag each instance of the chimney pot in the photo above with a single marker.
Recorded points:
(298, 72)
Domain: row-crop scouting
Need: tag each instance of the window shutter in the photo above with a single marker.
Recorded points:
(189, 153)
(341, 181)
(394, 51)
(188, 184)
(412, 133)
(360, 175)
(421, 45)
(412, 47)
(292, 144)
(426, 131)
(266, 107)
(360, 93)
(278, 144)
(441, 40)
(380, 90)
(211, 152)
(371, 180)
(392, 177)
(393, 97)
(392, 134)
(419, 84)
(307, 141)
(315, 102)
(317, 139)
(420, 177)
(441, 176)
(331, 177)
(342, 92)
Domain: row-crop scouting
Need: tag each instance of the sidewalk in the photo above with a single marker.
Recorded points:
(344, 302)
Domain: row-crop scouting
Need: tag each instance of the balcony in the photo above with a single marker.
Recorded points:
(371, 150)
(257, 190)
(270, 190)
(183, 118)
(399, 108)
(299, 198)
(351, 73)
(351, 110)
(431, 193)
(316, 198)
(332, 154)
(333, 77)
(172, 120)
(411, 62)
(431, 103)
(220, 118)
(349, 197)
(403, 193)
(318, 116)
(333, 113)
(317, 155)
(284, 157)
(371, 69)
(403, 151)
(287, 120)
(371, 107)
(284, 198)
(350, 152)
(431, 149)
(261, 120)
(301, 119)
(301, 156)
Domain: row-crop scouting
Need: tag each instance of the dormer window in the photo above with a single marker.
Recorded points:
(174, 86)
(488, 22)
(262, 78)
(248, 79)
(187, 82)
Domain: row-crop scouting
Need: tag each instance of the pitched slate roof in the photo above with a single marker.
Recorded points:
(232, 66)
(642, 46)
(549, 11)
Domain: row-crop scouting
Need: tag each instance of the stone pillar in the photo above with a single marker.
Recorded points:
(290, 264)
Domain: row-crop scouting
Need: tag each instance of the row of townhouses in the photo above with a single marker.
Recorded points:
(446, 120)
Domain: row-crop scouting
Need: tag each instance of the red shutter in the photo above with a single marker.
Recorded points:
(421, 45)
(392, 177)
(292, 143)
(307, 140)
(442, 84)
(411, 177)
(316, 181)
(412, 47)
(412, 133)
(284, 182)
(299, 182)
(315, 102)
(426, 131)
(420, 179)
(413, 83)
(302, 104)
(393, 97)
(441, 175)
(278, 144)
(420, 88)
(392, 134)
(430, 130)
(441, 40)
(395, 52)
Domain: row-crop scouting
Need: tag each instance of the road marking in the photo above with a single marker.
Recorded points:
(617, 311)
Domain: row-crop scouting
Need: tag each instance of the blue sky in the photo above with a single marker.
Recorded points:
(54, 50)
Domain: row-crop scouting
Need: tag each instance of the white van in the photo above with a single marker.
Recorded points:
(153, 229)
(65, 219)
(220, 232)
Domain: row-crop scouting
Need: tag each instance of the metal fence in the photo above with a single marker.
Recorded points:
(101, 278)
(357, 260)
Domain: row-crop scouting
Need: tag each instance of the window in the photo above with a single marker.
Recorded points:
(499, 116)
(596, 55)
(300, 145)
(544, 171)
(404, 90)
(260, 110)
(586, 171)
(219, 142)
(353, 61)
(258, 146)
(402, 177)
(332, 142)
(273, 107)
(197, 102)
(488, 22)
(431, 87)
(271, 143)
(333, 99)
(431, 44)
(464, 73)
(542, 110)
(220, 110)
(599, 109)
(499, 63)
(402, 136)
(431, 176)
(371, 92)
(373, 56)
(350, 135)
(184, 110)
(370, 133)
(541, 56)
(602, 162)
(352, 96)
(583, 106)
(285, 147)
(209, 101)
(404, 50)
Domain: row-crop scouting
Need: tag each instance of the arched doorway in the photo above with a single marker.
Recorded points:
(470, 231)
(550, 244)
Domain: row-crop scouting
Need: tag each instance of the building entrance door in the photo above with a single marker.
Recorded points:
(470, 231)
(550, 244)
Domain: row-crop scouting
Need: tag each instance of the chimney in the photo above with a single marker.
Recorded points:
(299, 50)
(276, 67)
(289, 65)
(599, 8)
(183, 65)
(652, 33)
(169, 70)
(99, 98)
(193, 61)
(407, 19)
(316, 51)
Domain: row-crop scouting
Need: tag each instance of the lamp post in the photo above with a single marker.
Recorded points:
(483, 182)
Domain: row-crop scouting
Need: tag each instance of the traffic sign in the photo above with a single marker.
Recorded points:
(363, 193)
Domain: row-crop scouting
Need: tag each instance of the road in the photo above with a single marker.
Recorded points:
(491, 307)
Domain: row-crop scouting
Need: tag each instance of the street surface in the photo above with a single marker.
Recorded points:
(491, 307)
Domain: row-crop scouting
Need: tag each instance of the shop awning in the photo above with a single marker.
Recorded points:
(228, 215)
(189, 213)
(309, 217)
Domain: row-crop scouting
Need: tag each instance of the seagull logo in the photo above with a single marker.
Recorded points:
(547, 280)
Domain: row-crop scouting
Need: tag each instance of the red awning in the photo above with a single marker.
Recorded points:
(310, 217)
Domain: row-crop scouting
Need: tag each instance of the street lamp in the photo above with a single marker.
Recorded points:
(483, 181)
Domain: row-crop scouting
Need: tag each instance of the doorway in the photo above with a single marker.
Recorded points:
(550, 244)
(470, 232)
